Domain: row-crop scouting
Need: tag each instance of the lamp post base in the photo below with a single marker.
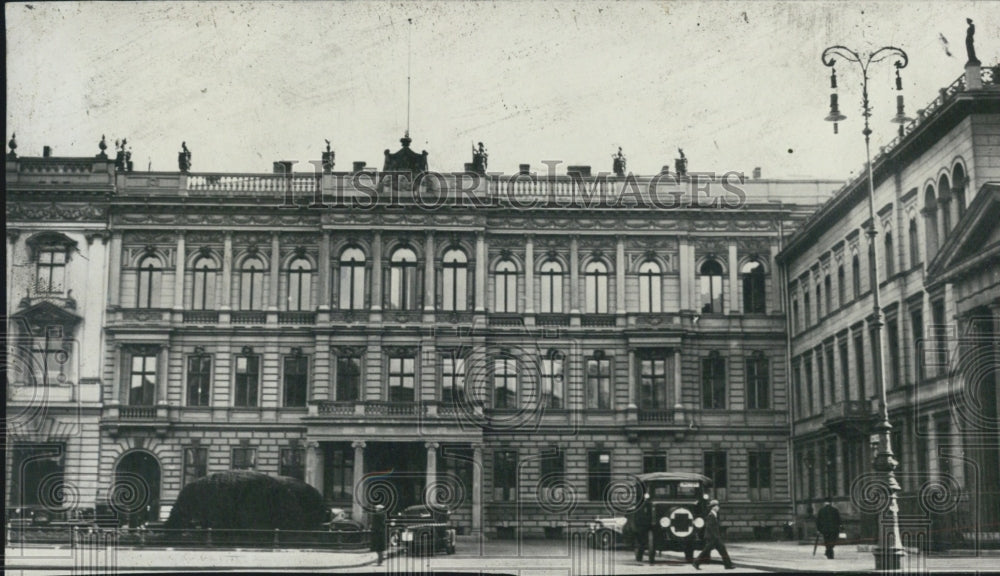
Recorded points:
(889, 559)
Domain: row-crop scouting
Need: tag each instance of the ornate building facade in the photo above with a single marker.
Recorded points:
(513, 348)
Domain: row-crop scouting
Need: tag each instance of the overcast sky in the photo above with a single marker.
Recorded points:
(736, 85)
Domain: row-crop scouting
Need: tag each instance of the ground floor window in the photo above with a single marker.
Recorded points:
(505, 475)
(338, 474)
(598, 474)
(36, 475)
(195, 463)
(293, 463)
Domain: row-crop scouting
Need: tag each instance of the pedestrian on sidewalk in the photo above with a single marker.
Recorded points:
(713, 539)
(828, 524)
(378, 532)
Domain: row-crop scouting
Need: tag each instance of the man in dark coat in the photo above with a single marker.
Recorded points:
(828, 524)
(713, 539)
(378, 532)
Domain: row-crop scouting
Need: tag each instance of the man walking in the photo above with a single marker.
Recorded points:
(828, 524)
(713, 539)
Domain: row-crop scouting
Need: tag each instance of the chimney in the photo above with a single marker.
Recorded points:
(524, 168)
(358, 166)
(282, 167)
(756, 173)
(583, 171)
(46, 151)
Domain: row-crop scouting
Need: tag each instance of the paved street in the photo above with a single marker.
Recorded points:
(528, 557)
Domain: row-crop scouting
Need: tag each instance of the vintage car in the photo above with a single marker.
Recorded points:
(608, 532)
(669, 513)
(421, 530)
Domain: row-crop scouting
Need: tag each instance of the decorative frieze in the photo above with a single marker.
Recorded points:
(53, 211)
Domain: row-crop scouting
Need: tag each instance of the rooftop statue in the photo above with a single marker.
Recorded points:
(969, 47)
(681, 164)
(184, 158)
(619, 163)
(103, 145)
(328, 158)
(480, 159)
(13, 146)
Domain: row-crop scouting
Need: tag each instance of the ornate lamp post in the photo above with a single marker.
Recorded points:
(889, 553)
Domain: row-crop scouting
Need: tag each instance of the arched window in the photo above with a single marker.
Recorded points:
(506, 286)
(402, 279)
(552, 276)
(203, 287)
(455, 276)
(931, 223)
(890, 260)
(299, 284)
(944, 191)
(352, 279)
(753, 288)
(252, 284)
(914, 243)
(596, 288)
(711, 287)
(150, 271)
(856, 276)
(650, 300)
(958, 192)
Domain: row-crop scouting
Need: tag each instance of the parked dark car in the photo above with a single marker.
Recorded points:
(669, 513)
(421, 530)
(345, 530)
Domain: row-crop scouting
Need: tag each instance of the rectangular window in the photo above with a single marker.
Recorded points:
(51, 270)
(760, 475)
(653, 462)
(713, 382)
(402, 379)
(348, 379)
(917, 324)
(199, 377)
(940, 338)
(715, 469)
(247, 380)
(598, 383)
(819, 302)
(894, 377)
(505, 476)
(453, 380)
(244, 458)
(653, 384)
(859, 363)
(142, 380)
(293, 463)
(598, 474)
(841, 286)
(48, 358)
(758, 388)
(553, 472)
(338, 473)
(821, 377)
(807, 368)
(505, 383)
(845, 369)
(35, 470)
(807, 305)
(829, 293)
(195, 463)
(552, 382)
(800, 393)
(296, 376)
(796, 328)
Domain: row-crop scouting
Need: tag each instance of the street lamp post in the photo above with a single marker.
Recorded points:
(889, 553)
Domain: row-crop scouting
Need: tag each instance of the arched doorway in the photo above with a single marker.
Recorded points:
(135, 492)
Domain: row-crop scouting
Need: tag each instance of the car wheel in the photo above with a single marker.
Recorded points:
(652, 547)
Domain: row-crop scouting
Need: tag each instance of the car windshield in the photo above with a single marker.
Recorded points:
(676, 490)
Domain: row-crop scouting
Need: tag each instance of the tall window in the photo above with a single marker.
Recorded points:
(142, 380)
(506, 286)
(352, 279)
(552, 294)
(821, 377)
(760, 475)
(890, 256)
(653, 383)
(841, 286)
(453, 379)
(944, 191)
(338, 473)
(828, 291)
(931, 222)
(51, 354)
(505, 475)
(914, 243)
(455, 287)
(252, 284)
(940, 338)
(292, 463)
(296, 375)
(504, 383)
(892, 335)
(51, 273)
(819, 301)
(845, 369)
(553, 471)
(753, 288)
(856, 276)
(650, 300)
(807, 368)
(830, 373)
(859, 361)
(402, 279)
(195, 463)
(552, 380)
(247, 379)
(807, 305)
(796, 327)
(711, 287)
(199, 376)
(917, 324)
(348, 378)
(244, 458)
(598, 382)
(299, 284)
(715, 469)
(758, 385)
(150, 271)
(203, 288)
(596, 280)
(713, 381)
(402, 379)
(598, 473)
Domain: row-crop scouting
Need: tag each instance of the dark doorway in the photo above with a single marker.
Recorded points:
(399, 465)
(135, 493)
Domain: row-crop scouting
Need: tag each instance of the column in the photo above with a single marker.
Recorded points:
(324, 270)
(162, 364)
(12, 236)
(477, 489)
(631, 380)
(359, 473)
(774, 303)
(272, 300)
(481, 265)
(116, 376)
(313, 457)
(734, 290)
(227, 271)
(431, 480)
(114, 270)
(179, 273)
(529, 275)
(574, 275)
(620, 266)
(678, 405)
(685, 272)
(377, 271)
(429, 272)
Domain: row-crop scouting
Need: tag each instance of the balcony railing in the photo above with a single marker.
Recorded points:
(296, 317)
(663, 416)
(384, 408)
(341, 408)
(137, 412)
(201, 317)
(506, 320)
(249, 317)
(143, 315)
(552, 320)
(260, 185)
(597, 321)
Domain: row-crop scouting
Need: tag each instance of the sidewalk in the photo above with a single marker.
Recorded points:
(794, 557)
